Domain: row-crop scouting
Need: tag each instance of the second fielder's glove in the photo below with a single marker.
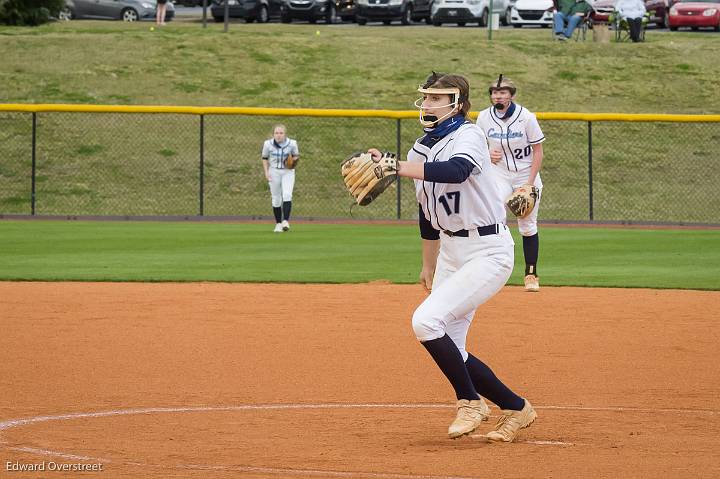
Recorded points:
(365, 177)
(522, 201)
(291, 161)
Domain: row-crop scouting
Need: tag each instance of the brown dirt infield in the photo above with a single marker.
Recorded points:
(211, 380)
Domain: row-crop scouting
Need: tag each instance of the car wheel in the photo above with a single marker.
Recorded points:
(218, 19)
(461, 24)
(263, 15)
(129, 15)
(361, 20)
(519, 25)
(65, 14)
(249, 19)
(483, 18)
(407, 16)
(694, 29)
(665, 21)
(387, 22)
(313, 20)
(434, 20)
(331, 15)
(507, 19)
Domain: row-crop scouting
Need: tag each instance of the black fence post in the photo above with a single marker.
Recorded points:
(202, 165)
(32, 173)
(590, 172)
(399, 211)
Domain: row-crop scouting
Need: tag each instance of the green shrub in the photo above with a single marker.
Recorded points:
(29, 12)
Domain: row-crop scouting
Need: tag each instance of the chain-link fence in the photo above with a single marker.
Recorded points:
(170, 164)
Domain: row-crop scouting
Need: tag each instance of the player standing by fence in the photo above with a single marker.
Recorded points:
(279, 155)
(515, 140)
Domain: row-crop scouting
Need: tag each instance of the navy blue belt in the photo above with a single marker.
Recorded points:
(482, 231)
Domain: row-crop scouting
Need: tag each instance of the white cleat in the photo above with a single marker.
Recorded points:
(285, 225)
(532, 283)
(278, 228)
(510, 423)
(469, 416)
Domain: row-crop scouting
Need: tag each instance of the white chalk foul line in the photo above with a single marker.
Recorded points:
(13, 423)
(124, 412)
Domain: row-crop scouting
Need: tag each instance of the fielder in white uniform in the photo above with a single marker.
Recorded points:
(275, 153)
(515, 140)
(468, 251)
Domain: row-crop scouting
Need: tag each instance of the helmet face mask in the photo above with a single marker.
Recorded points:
(427, 118)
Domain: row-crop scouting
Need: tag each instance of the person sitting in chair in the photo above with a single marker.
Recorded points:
(568, 16)
(632, 11)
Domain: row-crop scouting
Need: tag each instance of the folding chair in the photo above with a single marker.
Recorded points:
(583, 27)
(622, 27)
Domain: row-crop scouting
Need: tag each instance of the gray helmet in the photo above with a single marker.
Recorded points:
(502, 83)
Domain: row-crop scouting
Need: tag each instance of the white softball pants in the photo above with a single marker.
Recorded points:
(509, 181)
(469, 272)
(282, 182)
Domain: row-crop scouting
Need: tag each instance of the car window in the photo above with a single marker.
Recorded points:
(698, 1)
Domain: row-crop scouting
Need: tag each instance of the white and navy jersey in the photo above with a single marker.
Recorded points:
(457, 206)
(514, 136)
(277, 154)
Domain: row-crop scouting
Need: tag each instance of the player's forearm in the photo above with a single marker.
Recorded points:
(411, 170)
(430, 250)
(455, 170)
(536, 163)
(266, 166)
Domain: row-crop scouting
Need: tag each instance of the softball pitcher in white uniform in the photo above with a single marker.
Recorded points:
(467, 249)
(515, 140)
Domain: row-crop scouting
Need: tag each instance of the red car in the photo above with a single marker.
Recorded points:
(695, 14)
(658, 11)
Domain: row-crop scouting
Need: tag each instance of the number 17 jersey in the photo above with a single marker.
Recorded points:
(513, 136)
(477, 201)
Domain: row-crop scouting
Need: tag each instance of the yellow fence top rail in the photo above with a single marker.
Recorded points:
(392, 114)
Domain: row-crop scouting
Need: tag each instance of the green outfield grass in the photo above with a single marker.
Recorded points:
(336, 253)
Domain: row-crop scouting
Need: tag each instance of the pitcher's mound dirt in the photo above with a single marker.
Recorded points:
(277, 380)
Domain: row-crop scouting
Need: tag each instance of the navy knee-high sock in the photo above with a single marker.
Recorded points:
(287, 206)
(489, 386)
(277, 211)
(531, 249)
(447, 356)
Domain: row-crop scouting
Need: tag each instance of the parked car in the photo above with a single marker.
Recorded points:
(532, 12)
(602, 9)
(328, 11)
(386, 11)
(192, 3)
(469, 11)
(261, 10)
(126, 10)
(695, 14)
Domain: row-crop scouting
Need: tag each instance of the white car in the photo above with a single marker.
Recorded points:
(469, 11)
(532, 12)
